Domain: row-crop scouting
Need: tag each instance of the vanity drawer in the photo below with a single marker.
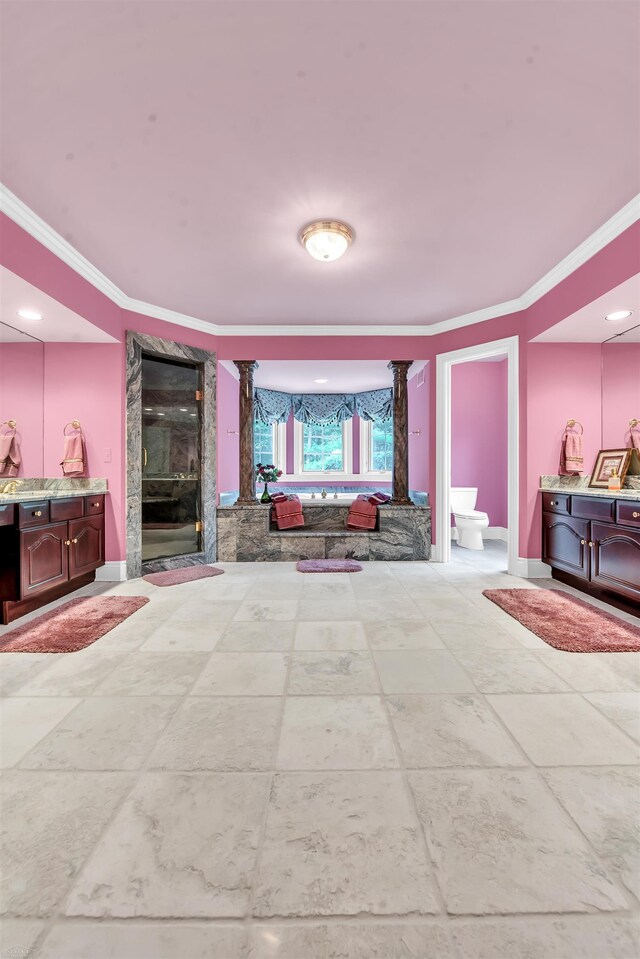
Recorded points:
(71, 508)
(94, 504)
(33, 514)
(7, 511)
(591, 507)
(556, 502)
(628, 514)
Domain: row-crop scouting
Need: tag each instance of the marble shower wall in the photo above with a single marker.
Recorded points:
(153, 345)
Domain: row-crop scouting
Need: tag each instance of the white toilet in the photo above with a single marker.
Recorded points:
(470, 522)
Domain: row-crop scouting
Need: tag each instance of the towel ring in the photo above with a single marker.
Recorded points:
(10, 423)
(572, 423)
(74, 424)
(633, 422)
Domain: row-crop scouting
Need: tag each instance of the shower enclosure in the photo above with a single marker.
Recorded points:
(171, 493)
(171, 454)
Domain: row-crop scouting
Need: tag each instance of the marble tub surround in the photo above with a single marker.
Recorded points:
(264, 765)
(245, 534)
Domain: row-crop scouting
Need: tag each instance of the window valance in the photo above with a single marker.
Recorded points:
(375, 405)
(273, 406)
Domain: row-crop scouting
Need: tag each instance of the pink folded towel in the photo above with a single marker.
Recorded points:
(10, 458)
(571, 454)
(73, 458)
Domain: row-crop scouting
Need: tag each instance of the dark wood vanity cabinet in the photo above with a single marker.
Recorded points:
(48, 549)
(594, 541)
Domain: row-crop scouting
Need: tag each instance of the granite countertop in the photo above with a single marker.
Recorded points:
(27, 496)
(631, 494)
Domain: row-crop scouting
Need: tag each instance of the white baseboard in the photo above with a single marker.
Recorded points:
(532, 569)
(492, 532)
(115, 571)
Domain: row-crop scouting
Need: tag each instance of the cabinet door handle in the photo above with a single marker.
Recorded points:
(552, 503)
(67, 542)
(582, 542)
(636, 515)
(591, 543)
(75, 540)
(95, 504)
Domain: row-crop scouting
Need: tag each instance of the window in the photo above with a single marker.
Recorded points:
(376, 447)
(269, 444)
(323, 449)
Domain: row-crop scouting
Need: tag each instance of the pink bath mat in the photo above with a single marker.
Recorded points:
(566, 622)
(328, 566)
(72, 626)
(186, 574)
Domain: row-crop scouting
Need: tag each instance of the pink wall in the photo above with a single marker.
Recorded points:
(78, 378)
(21, 399)
(418, 410)
(228, 419)
(479, 435)
(563, 382)
(620, 392)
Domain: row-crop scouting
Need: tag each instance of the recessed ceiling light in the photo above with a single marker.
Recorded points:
(193, 414)
(160, 414)
(321, 381)
(326, 239)
(183, 409)
(148, 409)
(618, 315)
(30, 315)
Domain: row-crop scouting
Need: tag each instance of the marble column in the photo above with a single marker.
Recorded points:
(400, 478)
(247, 473)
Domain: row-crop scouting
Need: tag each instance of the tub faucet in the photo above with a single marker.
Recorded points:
(323, 493)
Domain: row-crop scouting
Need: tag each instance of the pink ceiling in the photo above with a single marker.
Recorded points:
(180, 146)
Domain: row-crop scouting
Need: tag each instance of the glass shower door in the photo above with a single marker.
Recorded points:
(170, 458)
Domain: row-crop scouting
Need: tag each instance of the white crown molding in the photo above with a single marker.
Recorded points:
(36, 227)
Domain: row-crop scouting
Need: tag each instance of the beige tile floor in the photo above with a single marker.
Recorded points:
(266, 765)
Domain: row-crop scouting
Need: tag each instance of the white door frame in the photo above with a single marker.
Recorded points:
(444, 362)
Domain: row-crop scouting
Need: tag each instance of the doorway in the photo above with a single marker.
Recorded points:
(444, 363)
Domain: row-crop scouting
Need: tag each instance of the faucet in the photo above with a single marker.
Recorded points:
(323, 493)
(11, 486)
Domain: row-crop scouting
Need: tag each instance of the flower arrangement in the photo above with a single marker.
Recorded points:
(268, 473)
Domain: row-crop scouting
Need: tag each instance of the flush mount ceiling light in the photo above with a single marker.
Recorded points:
(30, 315)
(618, 315)
(326, 239)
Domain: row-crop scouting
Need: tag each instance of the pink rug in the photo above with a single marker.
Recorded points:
(186, 574)
(566, 622)
(72, 626)
(328, 566)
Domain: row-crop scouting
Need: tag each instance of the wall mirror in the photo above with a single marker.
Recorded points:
(620, 385)
(22, 395)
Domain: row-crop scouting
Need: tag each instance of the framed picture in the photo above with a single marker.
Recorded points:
(606, 462)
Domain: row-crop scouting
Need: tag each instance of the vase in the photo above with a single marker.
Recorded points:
(265, 498)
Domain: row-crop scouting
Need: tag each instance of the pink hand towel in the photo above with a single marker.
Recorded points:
(73, 457)
(571, 454)
(10, 458)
